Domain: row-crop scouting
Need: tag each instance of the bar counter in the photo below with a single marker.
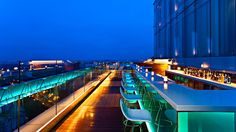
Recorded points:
(183, 98)
(197, 110)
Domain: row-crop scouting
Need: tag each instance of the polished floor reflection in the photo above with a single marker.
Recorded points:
(100, 112)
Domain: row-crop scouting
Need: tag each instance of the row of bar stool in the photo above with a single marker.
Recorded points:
(137, 89)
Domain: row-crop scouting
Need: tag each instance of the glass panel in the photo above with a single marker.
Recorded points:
(206, 121)
(178, 39)
(227, 27)
(203, 41)
(44, 103)
(190, 33)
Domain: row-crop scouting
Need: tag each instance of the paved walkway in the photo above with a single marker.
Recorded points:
(100, 112)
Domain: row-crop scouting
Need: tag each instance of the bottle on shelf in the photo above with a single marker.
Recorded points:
(229, 80)
(225, 78)
(222, 78)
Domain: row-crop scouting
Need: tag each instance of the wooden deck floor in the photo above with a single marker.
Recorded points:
(100, 112)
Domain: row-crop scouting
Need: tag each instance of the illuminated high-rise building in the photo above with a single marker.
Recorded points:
(196, 31)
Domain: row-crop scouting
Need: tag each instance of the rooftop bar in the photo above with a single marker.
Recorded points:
(196, 110)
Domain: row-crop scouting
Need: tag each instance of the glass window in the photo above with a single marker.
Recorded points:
(203, 41)
(227, 27)
(206, 121)
(179, 36)
(190, 33)
(215, 28)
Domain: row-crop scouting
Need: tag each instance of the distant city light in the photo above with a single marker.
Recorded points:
(15, 68)
(204, 65)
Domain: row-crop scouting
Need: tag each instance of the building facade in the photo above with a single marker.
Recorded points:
(199, 31)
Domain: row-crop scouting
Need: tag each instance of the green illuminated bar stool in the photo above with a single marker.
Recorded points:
(131, 98)
(129, 84)
(136, 116)
(127, 75)
(171, 116)
(129, 89)
(148, 94)
(137, 75)
(128, 80)
(162, 109)
(157, 102)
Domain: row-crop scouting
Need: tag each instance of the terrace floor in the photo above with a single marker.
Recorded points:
(99, 112)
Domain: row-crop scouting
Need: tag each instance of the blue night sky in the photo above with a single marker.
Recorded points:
(76, 29)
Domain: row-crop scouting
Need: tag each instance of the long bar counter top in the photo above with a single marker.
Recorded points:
(183, 98)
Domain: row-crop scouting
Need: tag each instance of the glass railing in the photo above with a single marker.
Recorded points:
(38, 103)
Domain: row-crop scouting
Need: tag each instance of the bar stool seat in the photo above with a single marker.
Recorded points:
(131, 98)
(135, 115)
(129, 80)
(129, 89)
